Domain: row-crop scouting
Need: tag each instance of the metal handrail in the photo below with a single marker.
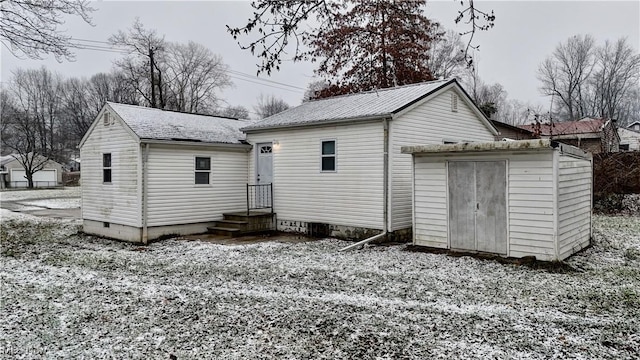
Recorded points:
(259, 196)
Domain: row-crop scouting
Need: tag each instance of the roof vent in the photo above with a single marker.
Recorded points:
(454, 102)
(106, 119)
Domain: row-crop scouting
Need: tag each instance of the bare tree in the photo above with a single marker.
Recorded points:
(446, 54)
(142, 67)
(193, 75)
(314, 89)
(269, 105)
(617, 74)
(21, 134)
(565, 73)
(30, 27)
(488, 97)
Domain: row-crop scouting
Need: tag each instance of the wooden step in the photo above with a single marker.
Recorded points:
(225, 231)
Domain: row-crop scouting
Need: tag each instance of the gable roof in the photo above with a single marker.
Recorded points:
(157, 124)
(7, 159)
(361, 106)
(582, 126)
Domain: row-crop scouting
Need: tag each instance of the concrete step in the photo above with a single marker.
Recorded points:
(242, 216)
(225, 231)
(233, 224)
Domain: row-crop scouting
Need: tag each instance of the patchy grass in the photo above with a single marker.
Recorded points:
(68, 295)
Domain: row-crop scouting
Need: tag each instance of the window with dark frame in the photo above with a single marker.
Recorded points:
(329, 156)
(203, 170)
(106, 168)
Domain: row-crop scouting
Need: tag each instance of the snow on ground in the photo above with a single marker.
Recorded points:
(59, 203)
(68, 295)
(17, 195)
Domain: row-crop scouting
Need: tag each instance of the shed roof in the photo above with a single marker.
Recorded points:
(157, 124)
(476, 147)
(364, 105)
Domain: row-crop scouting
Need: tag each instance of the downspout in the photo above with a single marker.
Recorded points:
(385, 192)
(145, 158)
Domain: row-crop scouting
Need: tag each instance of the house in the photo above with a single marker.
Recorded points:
(635, 126)
(13, 173)
(511, 132)
(593, 135)
(515, 199)
(629, 139)
(149, 172)
(335, 164)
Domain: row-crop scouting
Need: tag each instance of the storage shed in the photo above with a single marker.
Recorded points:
(514, 199)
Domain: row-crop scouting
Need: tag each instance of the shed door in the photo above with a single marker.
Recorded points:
(264, 166)
(477, 206)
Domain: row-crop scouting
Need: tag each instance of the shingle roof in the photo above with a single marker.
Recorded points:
(583, 126)
(362, 105)
(156, 124)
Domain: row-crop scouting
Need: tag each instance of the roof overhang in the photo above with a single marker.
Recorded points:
(318, 123)
(225, 146)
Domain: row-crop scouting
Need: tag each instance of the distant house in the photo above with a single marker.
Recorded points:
(629, 139)
(589, 134)
(635, 126)
(511, 132)
(13, 173)
(148, 172)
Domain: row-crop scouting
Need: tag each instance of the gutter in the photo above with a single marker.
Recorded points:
(385, 191)
(227, 146)
(250, 129)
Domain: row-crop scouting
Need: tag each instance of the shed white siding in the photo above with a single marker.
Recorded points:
(174, 198)
(574, 204)
(351, 196)
(431, 122)
(430, 199)
(117, 202)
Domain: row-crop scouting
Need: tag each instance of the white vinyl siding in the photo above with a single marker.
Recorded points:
(432, 122)
(574, 204)
(351, 196)
(172, 196)
(430, 196)
(531, 205)
(116, 202)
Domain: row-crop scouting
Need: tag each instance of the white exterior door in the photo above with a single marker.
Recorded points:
(477, 206)
(264, 163)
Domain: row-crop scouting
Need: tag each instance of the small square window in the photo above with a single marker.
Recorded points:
(202, 170)
(329, 155)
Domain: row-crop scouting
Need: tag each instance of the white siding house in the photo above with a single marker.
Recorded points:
(336, 164)
(148, 172)
(629, 139)
(516, 199)
(13, 173)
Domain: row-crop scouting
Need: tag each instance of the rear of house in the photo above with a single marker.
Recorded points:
(148, 172)
(516, 199)
(336, 165)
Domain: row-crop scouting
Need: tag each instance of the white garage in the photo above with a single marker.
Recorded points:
(514, 199)
(42, 178)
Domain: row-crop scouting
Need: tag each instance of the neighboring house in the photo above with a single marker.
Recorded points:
(635, 126)
(148, 172)
(13, 174)
(629, 139)
(593, 135)
(515, 198)
(335, 163)
(511, 132)
(73, 164)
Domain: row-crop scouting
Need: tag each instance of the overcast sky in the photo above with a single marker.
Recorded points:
(525, 33)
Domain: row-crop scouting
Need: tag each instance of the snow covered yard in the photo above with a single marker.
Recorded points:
(67, 295)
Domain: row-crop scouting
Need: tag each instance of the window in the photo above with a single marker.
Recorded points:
(329, 155)
(203, 169)
(106, 168)
(106, 120)
(624, 147)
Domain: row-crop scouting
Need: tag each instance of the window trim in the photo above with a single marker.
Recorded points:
(107, 168)
(196, 170)
(334, 155)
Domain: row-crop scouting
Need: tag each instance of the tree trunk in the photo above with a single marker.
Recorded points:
(153, 79)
